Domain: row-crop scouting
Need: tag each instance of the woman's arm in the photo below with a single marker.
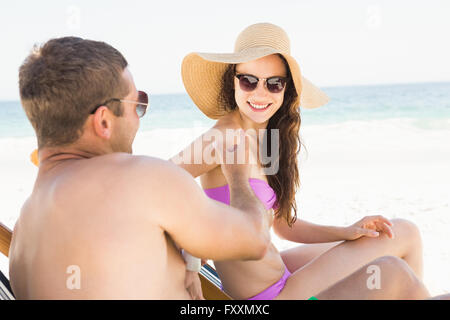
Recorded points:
(200, 156)
(307, 232)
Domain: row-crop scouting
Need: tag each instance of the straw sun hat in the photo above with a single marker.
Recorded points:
(202, 72)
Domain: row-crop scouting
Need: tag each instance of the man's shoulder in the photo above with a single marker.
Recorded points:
(130, 184)
(149, 183)
(127, 162)
(138, 168)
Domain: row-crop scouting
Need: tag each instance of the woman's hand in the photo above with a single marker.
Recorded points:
(369, 226)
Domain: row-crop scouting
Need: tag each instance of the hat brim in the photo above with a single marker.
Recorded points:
(202, 75)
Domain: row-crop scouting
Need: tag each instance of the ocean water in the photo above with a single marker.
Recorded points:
(425, 105)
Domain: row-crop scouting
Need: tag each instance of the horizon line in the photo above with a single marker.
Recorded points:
(321, 87)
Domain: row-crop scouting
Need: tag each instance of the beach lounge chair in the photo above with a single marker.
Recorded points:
(5, 289)
(208, 276)
(211, 284)
(5, 240)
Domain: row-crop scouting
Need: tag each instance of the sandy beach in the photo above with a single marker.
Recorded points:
(351, 170)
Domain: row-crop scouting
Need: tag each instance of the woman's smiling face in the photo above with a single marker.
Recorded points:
(260, 105)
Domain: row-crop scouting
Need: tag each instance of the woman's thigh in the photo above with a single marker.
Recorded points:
(297, 257)
(332, 265)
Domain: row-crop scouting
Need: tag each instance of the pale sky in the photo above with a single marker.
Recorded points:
(348, 42)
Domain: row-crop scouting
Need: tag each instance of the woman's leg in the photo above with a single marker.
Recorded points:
(343, 259)
(407, 245)
(297, 257)
(397, 281)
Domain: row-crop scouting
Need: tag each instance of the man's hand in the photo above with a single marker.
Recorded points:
(193, 285)
(370, 226)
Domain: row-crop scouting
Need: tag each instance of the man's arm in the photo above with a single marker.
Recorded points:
(206, 228)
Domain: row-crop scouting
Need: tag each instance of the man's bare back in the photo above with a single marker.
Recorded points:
(108, 220)
(85, 216)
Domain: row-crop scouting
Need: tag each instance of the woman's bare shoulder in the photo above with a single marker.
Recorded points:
(228, 121)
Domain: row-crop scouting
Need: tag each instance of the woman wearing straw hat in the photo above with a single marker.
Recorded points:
(260, 87)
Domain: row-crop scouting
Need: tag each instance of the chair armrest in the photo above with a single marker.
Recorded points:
(210, 284)
(5, 239)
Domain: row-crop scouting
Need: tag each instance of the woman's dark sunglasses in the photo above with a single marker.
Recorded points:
(248, 83)
(141, 104)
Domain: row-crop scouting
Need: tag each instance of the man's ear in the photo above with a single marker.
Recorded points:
(103, 123)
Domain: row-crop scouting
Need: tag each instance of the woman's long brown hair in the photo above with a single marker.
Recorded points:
(287, 120)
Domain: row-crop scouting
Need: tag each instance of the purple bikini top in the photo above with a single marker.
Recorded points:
(261, 189)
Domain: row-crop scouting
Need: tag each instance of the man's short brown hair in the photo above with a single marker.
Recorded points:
(62, 81)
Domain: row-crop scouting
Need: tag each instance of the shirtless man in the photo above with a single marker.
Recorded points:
(103, 224)
(100, 222)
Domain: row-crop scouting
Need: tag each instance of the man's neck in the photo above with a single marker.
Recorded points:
(52, 156)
